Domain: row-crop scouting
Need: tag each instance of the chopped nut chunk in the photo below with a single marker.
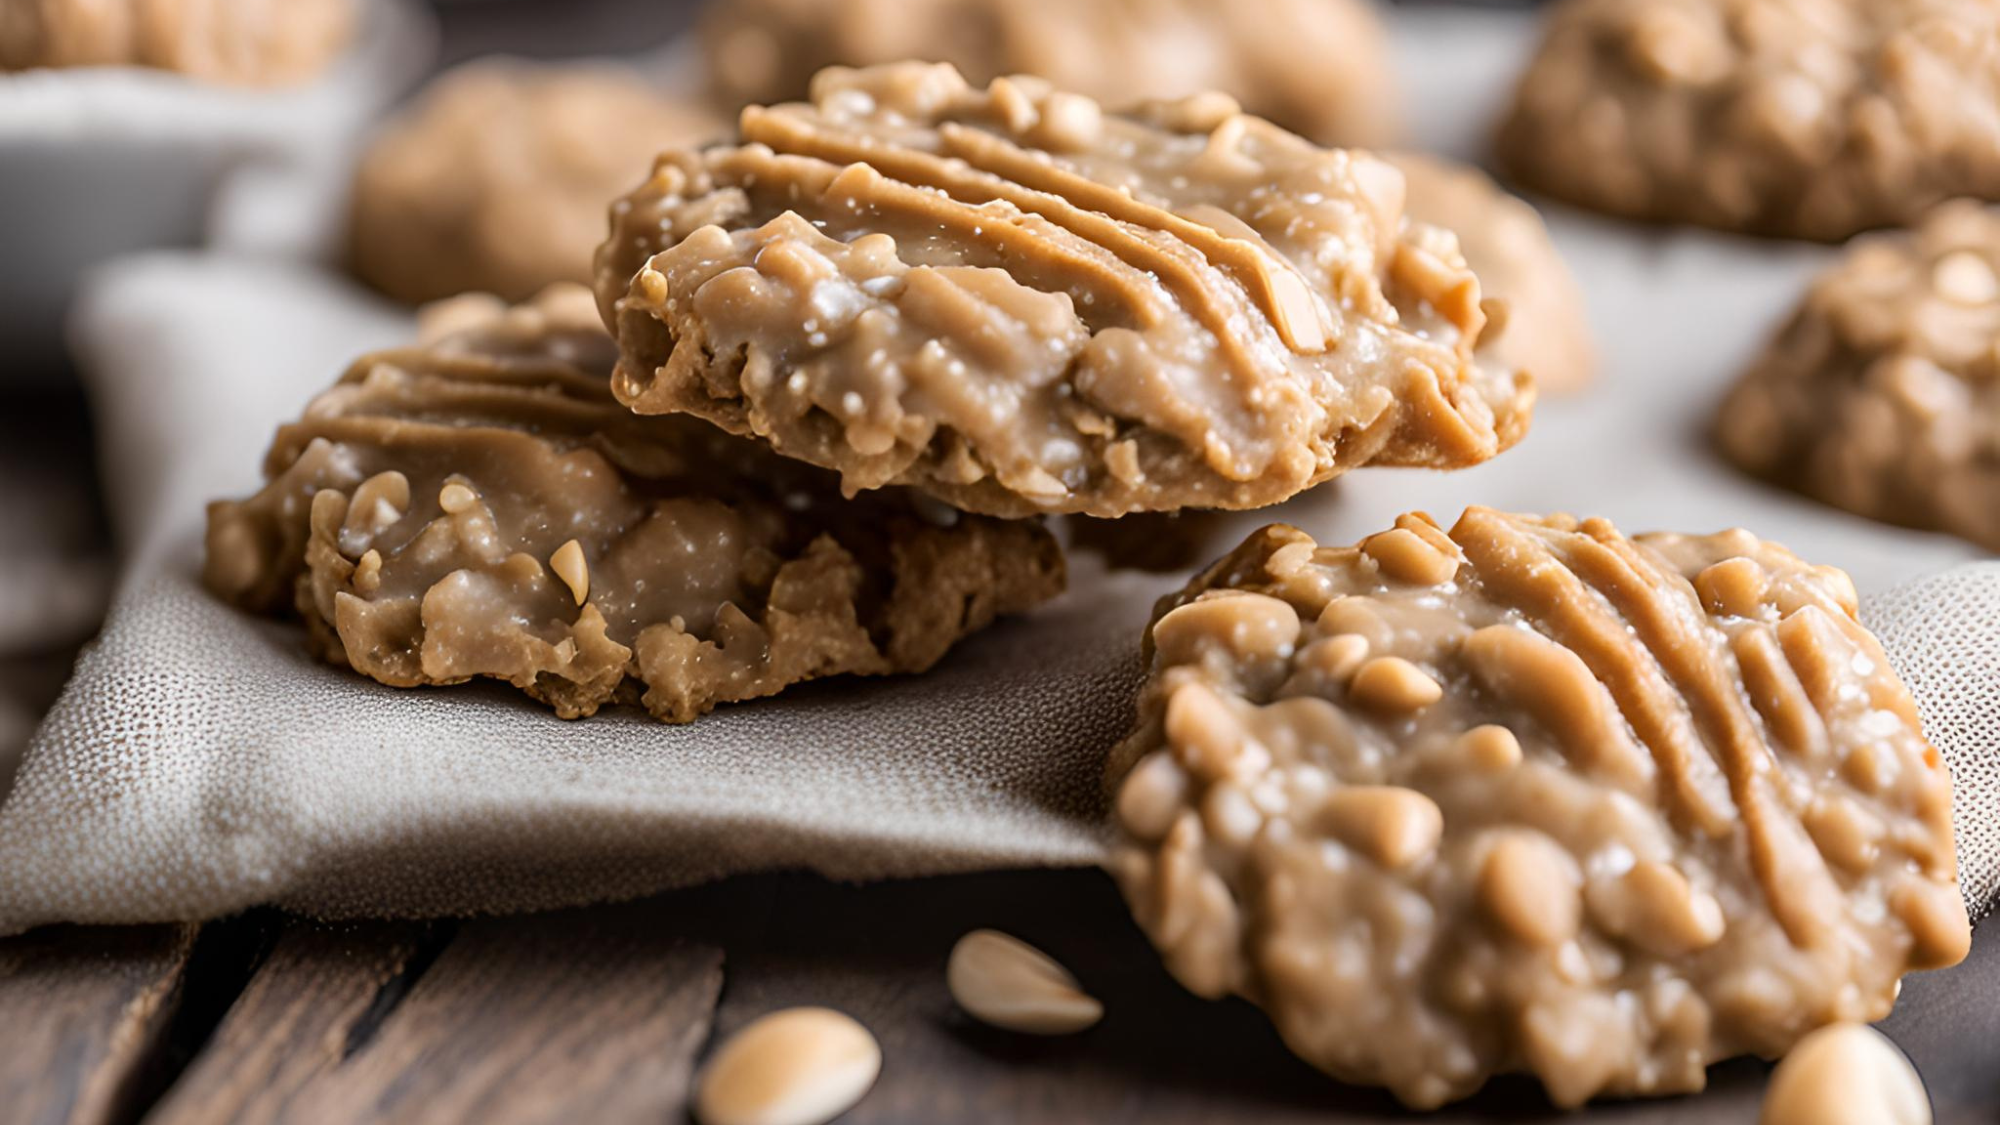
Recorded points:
(410, 510)
(799, 1066)
(1003, 981)
(908, 281)
(1614, 840)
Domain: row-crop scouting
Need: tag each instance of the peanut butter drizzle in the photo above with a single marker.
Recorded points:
(1279, 290)
(1780, 699)
(974, 166)
(1517, 568)
(1668, 620)
(1066, 200)
(1707, 727)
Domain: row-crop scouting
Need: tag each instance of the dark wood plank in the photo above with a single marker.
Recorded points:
(600, 1015)
(298, 1019)
(82, 1010)
(1160, 1057)
(576, 1016)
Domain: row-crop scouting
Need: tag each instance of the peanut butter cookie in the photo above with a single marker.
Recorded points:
(480, 506)
(236, 42)
(1881, 395)
(1320, 67)
(1533, 796)
(1798, 118)
(497, 180)
(1022, 303)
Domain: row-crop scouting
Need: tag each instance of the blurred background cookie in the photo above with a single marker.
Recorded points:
(497, 178)
(1544, 330)
(1798, 118)
(245, 42)
(1881, 395)
(1319, 67)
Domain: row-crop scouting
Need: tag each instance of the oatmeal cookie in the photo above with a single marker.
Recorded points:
(497, 180)
(1881, 395)
(1507, 244)
(1319, 67)
(480, 506)
(236, 42)
(1533, 796)
(1797, 118)
(1022, 303)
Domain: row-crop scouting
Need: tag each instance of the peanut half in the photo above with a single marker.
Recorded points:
(799, 1066)
(1845, 1074)
(1006, 982)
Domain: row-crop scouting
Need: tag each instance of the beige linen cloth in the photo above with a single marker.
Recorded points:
(200, 762)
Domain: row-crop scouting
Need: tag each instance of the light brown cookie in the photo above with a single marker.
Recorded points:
(497, 180)
(1320, 67)
(479, 506)
(237, 42)
(1545, 331)
(1798, 118)
(1881, 395)
(1022, 303)
(1533, 796)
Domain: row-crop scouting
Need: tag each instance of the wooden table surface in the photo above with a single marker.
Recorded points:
(602, 1015)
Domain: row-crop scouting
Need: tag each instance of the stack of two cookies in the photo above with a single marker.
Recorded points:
(858, 352)
(1521, 795)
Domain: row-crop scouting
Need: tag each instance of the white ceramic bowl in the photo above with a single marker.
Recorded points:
(98, 161)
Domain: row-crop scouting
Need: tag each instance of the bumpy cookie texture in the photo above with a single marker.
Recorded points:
(1506, 243)
(1533, 796)
(1797, 118)
(497, 180)
(235, 42)
(1882, 393)
(1022, 303)
(1319, 67)
(481, 507)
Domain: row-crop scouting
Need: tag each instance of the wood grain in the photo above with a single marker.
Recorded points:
(82, 1009)
(296, 1020)
(580, 1016)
